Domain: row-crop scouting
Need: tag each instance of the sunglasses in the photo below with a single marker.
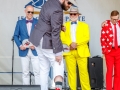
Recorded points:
(73, 14)
(69, 3)
(30, 12)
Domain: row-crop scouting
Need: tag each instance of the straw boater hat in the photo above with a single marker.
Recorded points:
(74, 9)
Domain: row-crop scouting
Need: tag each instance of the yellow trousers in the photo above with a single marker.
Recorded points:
(71, 62)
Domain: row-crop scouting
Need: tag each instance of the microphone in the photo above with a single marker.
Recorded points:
(31, 73)
(12, 38)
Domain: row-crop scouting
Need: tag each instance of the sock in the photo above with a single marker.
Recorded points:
(58, 85)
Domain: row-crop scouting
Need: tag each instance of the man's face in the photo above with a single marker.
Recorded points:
(74, 17)
(66, 5)
(114, 19)
(29, 12)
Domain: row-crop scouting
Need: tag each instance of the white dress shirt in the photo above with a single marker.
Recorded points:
(118, 34)
(29, 26)
(73, 32)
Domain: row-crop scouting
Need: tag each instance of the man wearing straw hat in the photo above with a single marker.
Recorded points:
(75, 39)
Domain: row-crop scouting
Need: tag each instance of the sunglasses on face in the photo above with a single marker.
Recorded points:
(69, 3)
(30, 12)
(74, 14)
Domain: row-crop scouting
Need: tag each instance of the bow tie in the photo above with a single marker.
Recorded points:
(73, 22)
(29, 21)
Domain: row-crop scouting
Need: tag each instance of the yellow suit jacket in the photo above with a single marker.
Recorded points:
(82, 38)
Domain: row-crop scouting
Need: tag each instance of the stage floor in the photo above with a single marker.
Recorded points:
(33, 87)
(80, 89)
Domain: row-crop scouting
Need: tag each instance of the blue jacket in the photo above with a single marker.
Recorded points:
(21, 33)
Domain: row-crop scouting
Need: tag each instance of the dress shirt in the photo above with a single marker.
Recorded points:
(73, 32)
(29, 26)
(118, 34)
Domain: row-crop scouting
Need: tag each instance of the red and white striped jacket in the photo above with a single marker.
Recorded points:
(107, 37)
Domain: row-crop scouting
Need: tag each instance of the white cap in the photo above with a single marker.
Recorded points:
(73, 2)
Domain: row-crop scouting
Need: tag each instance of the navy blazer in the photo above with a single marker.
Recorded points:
(21, 33)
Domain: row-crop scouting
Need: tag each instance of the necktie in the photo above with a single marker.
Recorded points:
(115, 37)
(73, 22)
(27, 21)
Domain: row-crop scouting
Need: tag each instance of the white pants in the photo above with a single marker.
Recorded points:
(47, 59)
(26, 68)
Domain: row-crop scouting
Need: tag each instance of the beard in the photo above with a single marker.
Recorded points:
(64, 6)
(74, 19)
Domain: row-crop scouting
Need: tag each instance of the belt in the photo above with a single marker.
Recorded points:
(74, 49)
(114, 47)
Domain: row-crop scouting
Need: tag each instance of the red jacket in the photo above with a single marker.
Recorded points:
(107, 37)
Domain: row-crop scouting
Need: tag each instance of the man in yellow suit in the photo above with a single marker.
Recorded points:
(75, 40)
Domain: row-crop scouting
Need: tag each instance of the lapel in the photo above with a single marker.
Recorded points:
(33, 25)
(79, 30)
(119, 23)
(69, 29)
(25, 26)
(110, 29)
(78, 27)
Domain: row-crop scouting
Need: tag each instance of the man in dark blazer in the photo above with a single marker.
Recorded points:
(27, 51)
(46, 38)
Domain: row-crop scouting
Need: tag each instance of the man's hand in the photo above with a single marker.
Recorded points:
(73, 46)
(103, 23)
(58, 59)
(63, 28)
(32, 47)
(22, 47)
